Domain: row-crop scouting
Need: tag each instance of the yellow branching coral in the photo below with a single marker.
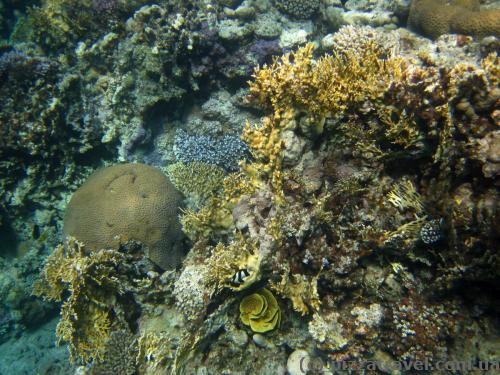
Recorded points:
(227, 261)
(297, 84)
(327, 85)
(300, 290)
(216, 214)
(260, 311)
(400, 128)
(404, 196)
(155, 349)
(92, 282)
(197, 181)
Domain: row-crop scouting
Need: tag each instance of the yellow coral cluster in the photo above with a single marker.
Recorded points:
(197, 181)
(295, 84)
(227, 260)
(260, 311)
(298, 84)
(86, 314)
(327, 85)
(216, 215)
(300, 290)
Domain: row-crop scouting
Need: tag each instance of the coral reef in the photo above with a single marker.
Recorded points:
(86, 315)
(39, 121)
(435, 17)
(260, 311)
(191, 291)
(58, 24)
(347, 194)
(104, 292)
(120, 355)
(351, 239)
(128, 202)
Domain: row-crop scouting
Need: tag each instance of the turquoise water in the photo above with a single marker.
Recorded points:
(249, 187)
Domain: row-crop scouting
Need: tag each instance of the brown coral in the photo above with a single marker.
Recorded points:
(128, 202)
(433, 18)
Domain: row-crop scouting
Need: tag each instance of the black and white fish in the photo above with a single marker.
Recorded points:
(239, 277)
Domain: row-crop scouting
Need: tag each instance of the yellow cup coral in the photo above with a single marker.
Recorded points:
(260, 311)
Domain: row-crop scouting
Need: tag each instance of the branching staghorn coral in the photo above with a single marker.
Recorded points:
(327, 85)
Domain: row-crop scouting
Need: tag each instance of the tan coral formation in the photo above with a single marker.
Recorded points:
(437, 17)
(86, 320)
(128, 202)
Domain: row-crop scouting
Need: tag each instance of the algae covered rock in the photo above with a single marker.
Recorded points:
(128, 202)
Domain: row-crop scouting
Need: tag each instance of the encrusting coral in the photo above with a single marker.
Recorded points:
(435, 17)
(128, 202)
(260, 311)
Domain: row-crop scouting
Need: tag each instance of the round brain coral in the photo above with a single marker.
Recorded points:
(128, 202)
(433, 18)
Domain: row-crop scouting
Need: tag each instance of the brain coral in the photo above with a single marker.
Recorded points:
(433, 18)
(298, 8)
(128, 202)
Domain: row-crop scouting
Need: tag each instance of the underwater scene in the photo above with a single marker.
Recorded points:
(249, 187)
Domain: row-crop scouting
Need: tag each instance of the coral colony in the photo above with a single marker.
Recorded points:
(249, 187)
